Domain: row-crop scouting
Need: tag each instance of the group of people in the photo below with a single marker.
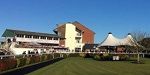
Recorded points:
(31, 52)
(4, 52)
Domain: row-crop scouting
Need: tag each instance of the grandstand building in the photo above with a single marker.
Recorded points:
(18, 41)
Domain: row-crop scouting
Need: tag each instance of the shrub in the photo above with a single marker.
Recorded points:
(3, 65)
(74, 55)
(6, 64)
(34, 59)
(13, 63)
(108, 57)
(82, 54)
(56, 55)
(89, 55)
(123, 57)
(102, 57)
(65, 55)
(147, 55)
(105, 54)
(28, 60)
(97, 57)
(43, 57)
(49, 57)
(21, 62)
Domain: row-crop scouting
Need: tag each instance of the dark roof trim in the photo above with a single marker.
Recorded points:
(12, 33)
(90, 46)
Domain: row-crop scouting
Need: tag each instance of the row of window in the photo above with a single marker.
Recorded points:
(36, 37)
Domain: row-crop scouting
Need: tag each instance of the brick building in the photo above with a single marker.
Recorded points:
(75, 34)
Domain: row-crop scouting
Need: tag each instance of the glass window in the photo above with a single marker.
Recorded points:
(20, 35)
(36, 37)
(49, 38)
(28, 36)
(55, 38)
(43, 37)
(77, 41)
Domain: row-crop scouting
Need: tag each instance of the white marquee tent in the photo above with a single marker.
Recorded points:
(113, 41)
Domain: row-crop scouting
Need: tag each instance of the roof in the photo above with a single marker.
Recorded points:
(12, 33)
(90, 46)
(113, 41)
(82, 25)
(59, 25)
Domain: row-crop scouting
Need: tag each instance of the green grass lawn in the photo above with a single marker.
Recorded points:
(86, 66)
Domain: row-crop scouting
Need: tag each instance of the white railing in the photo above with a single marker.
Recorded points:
(23, 55)
(37, 40)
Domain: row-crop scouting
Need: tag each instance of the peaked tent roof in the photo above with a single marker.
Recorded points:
(113, 41)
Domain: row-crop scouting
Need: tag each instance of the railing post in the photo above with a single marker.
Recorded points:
(59, 54)
(1, 57)
(62, 55)
(53, 55)
(14, 56)
(23, 56)
(143, 55)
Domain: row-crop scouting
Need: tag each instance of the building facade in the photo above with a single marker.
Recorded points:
(19, 41)
(75, 34)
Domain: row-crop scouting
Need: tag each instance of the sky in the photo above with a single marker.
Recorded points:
(102, 16)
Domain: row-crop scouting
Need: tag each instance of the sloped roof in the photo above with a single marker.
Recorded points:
(12, 33)
(90, 46)
(76, 22)
(113, 41)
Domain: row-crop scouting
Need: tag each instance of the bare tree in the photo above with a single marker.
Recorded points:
(138, 36)
(146, 43)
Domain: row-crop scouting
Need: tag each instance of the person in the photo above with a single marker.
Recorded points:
(29, 52)
(2, 53)
(37, 52)
(24, 52)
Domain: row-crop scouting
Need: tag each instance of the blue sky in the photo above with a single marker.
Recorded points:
(102, 16)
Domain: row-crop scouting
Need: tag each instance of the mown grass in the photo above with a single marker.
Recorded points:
(87, 66)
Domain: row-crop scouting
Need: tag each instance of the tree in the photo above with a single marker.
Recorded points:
(138, 37)
(146, 43)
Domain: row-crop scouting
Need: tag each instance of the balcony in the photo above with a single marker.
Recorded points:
(78, 35)
(37, 40)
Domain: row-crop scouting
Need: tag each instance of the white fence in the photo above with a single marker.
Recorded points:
(23, 55)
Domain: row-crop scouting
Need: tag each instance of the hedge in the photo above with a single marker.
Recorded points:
(20, 61)
(109, 57)
(6, 64)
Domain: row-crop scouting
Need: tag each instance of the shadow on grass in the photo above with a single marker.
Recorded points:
(138, 62)
(28, 69)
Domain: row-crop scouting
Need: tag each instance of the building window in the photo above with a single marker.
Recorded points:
(55, 38)
(36, 37)
(20, 35)
(62, 39)
(28, 36)
(77, 41)
(43, 37)
(59, 33)
(49, 38)
(78, 34)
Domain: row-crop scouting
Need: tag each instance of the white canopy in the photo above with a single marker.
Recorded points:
(113, 41)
